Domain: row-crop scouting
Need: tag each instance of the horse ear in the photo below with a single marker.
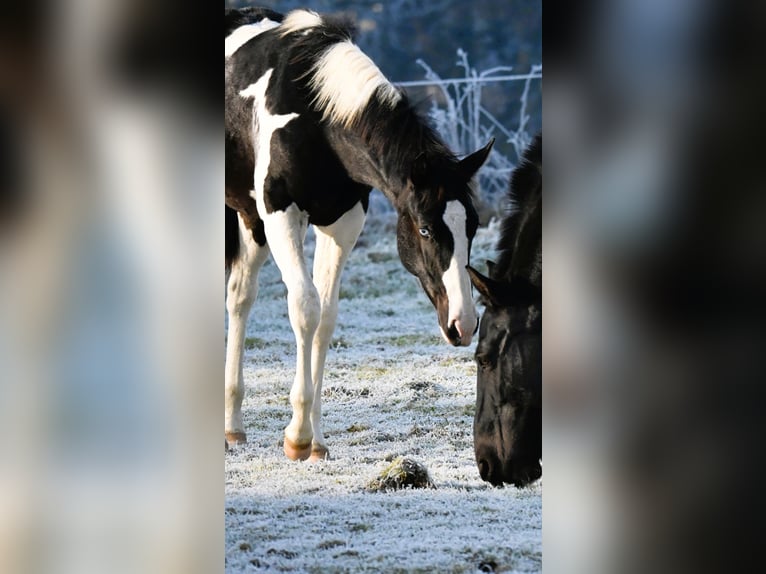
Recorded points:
(489, 288)
(419, 171)
(470, 164)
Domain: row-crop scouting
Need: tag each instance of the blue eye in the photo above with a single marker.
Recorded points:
(425, 232)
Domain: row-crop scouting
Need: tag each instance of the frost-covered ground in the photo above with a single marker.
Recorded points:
(392, 387)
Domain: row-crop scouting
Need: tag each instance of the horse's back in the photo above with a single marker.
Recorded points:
(236, 17)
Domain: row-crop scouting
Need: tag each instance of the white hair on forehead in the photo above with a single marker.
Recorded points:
(456, 280)
(455, 218)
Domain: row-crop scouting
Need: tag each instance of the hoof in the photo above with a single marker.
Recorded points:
(295, 451)
(319, 453)
(236, 437)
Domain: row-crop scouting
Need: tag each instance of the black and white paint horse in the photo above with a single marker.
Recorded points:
(311, 126)
(508, 420)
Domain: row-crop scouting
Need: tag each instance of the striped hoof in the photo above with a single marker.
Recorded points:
(295, 451)
(319, 453)
(236, 437)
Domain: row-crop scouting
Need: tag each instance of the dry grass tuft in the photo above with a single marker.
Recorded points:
(403, 472)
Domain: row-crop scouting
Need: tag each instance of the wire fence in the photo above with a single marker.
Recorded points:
(459, 112)
(511, 78)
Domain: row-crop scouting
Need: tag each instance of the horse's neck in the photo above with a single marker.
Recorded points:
(365, 166)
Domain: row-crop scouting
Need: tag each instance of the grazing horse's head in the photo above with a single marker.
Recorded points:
(437, 223)
(507, 430)
(508, 421)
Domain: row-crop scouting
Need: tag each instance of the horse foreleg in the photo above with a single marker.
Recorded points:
(333, 246)
(241, 291)
(285, 231)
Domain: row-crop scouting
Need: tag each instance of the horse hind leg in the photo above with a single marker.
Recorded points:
(241, 291)
(333, 246)
(286, 231)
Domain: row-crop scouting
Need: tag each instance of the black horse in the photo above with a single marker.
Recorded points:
(508, 421)
(311, 126)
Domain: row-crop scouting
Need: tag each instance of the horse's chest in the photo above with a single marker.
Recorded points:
(294, 164)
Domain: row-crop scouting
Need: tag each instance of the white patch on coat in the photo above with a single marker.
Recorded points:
(456, 281)
(344, 80)
(298, 20)
(244, 34)
(264, 126)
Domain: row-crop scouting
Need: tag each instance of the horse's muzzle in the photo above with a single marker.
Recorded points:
(517, 473)
(453, 335)
(459, 338)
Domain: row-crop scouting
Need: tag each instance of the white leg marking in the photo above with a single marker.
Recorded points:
(241, 291)
(244, 34)
(298, 20)
(333, 246)
(264, 126)
(286, 231)
(456, 280)
(345, 79)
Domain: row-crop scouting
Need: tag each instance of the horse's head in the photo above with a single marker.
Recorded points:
(508, 421)
(437, 223)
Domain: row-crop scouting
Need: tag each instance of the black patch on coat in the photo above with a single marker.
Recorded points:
(231, 233)
(245, 205)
